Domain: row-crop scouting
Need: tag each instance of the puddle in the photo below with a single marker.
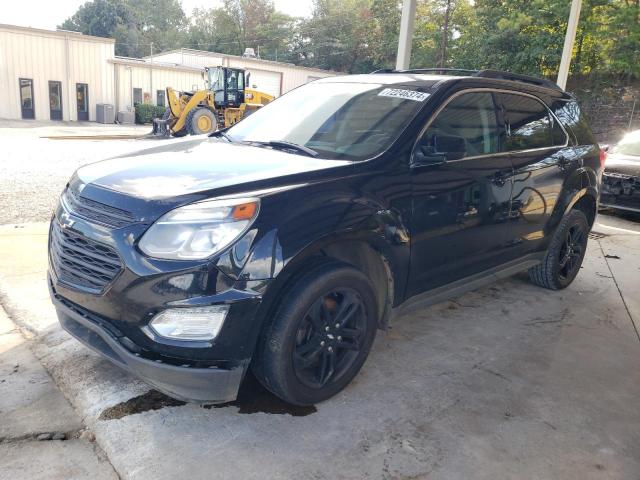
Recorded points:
(252, 398)
(152, 400)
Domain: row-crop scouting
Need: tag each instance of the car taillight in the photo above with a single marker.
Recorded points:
(603, 158)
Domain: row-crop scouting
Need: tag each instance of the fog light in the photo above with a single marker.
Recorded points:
(202, 323)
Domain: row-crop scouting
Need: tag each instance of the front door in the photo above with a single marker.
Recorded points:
(234, 87)
(55, 100)
(461, 193)
(26, 98)
(538, 147)
(82, 99)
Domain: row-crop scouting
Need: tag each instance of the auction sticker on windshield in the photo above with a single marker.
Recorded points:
(406, 94)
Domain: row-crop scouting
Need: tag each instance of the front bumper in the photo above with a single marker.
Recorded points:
(191, 384)
(620, 191)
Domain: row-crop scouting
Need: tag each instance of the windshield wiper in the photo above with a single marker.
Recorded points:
(282, 145)
(222, 133)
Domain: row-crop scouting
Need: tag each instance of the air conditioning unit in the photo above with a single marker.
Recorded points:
(249, 53)
(105, 113)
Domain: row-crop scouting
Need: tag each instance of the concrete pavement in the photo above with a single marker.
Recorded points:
(41, 435)
(511, 381)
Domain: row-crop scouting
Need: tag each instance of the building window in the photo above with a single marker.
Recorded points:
(55, 100)
(160, 98)
(82, 101)
(26, 98)
(137, 96)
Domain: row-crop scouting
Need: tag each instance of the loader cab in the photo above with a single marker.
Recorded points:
(227, 85)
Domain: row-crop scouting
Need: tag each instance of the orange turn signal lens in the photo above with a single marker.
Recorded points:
(244, 211)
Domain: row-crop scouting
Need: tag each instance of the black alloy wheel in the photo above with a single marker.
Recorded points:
(565, 254)
(319, 334)
(328, 339)
(571, 252)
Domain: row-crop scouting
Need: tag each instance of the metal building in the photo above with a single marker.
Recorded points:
(55, 75)
(268, 76)
(61, 75)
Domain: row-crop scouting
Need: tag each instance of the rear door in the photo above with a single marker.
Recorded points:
(538, 148)
(461, 184)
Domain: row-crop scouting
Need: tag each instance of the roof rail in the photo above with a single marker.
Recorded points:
(516, 77)
(497, 74)
(437, 71)
(441, 71)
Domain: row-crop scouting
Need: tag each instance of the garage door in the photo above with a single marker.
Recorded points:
(265, 81)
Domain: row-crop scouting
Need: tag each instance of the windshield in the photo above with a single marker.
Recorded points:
(352, 121)
(629, 145)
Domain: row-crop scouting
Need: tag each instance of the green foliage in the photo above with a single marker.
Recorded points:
(355, 36)
(135, 24)
(145, 112)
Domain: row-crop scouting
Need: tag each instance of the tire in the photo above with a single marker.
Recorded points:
(196, 117)
(564, 257)
(302, 357)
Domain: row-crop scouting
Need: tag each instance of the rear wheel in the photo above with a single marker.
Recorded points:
(320, 335)
(200, 121)
(566, 252)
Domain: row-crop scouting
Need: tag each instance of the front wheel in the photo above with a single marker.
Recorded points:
(320, 335)
(566, 252)
(201, 121)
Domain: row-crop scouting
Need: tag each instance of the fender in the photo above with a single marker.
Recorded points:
(581, 182)
(302, 224)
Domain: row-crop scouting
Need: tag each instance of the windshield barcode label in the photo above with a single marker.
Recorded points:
(406, 94)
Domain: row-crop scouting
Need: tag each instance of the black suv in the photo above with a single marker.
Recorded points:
(283, 243)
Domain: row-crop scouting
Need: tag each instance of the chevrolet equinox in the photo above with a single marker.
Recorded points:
(282, 243)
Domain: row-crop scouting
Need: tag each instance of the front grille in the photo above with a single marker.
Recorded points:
(81, 262)
(95, 211)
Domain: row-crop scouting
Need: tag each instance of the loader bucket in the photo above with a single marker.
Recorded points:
(161, 128)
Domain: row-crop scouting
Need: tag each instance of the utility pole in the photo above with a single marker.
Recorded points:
(407, 23)
(569, 39)
(151, 95)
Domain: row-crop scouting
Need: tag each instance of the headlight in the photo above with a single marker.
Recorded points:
(199, 230)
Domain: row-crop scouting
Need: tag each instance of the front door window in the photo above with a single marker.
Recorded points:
(55, 100)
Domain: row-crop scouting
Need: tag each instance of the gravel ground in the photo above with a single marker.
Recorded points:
(34, 170)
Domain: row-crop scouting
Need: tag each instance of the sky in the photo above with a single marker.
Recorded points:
(48, 14)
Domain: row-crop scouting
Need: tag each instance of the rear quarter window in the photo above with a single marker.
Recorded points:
(574, 120)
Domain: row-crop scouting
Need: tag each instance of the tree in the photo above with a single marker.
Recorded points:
(135, 24)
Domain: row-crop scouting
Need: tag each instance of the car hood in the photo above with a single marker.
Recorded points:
(187, 167)
(624, 164)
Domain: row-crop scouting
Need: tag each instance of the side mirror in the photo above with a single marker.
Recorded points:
(439, 148)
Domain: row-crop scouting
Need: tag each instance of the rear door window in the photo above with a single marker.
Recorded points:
(528, 123)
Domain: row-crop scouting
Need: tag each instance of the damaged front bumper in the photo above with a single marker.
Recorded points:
(183, 382)
(620, 191)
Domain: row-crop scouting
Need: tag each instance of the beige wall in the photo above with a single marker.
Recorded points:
(292, 76)
(42, 55)
(151, 78)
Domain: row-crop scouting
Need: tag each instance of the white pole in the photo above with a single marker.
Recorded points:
(570, 37)
(406, 34)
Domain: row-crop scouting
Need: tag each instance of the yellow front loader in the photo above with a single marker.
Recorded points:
(225, 102)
